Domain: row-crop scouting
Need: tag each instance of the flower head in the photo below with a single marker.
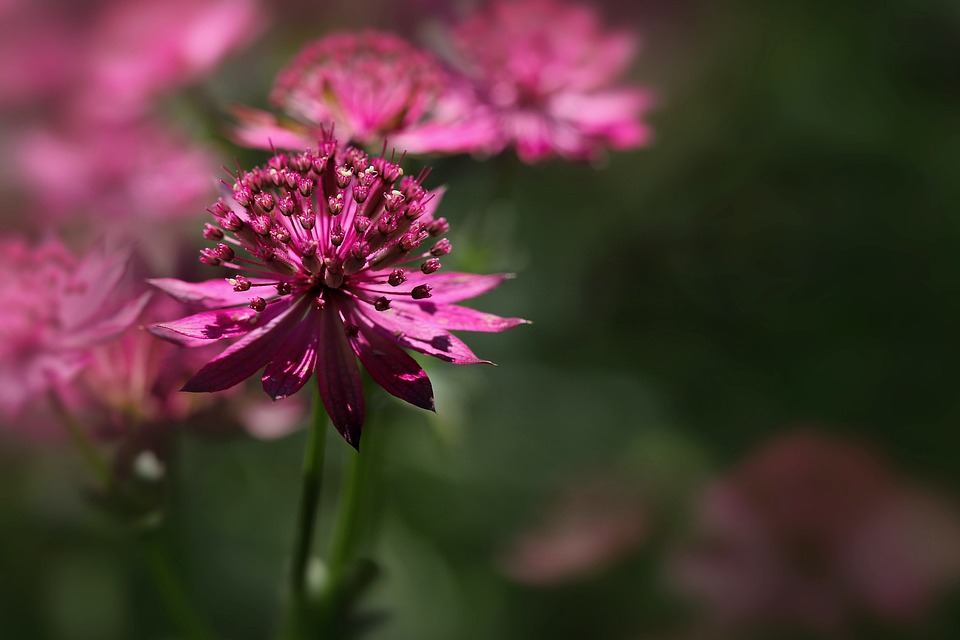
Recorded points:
(334, 247)
(547, 70)
(371, 87)
(54, 309)
(812, 533)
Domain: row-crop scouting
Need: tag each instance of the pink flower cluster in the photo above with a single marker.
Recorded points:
(538, 75)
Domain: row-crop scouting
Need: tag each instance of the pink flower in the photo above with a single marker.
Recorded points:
(813, 533)
(326, 238)
(122, 175)
(548, 70)
(54, 310)
(139, 50)
(372, 88)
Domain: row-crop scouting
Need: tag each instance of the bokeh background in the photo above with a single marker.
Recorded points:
(735, 414)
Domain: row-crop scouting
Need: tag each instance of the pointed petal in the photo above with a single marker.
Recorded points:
(261, 130)
(415, 333)
(218, 324)
(295, 360)
(456, 318)
(110, 327)
(210, 293)
(246, 356)
(453, 286)
(391, 367)
(338, 378)
(94, 281)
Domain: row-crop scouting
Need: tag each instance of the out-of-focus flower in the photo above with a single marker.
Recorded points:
(549, 72)
(591, 526)
(54, 310)
(814, 533)
(116, 175)
(325, 237)
(372, 88)
(139, 50)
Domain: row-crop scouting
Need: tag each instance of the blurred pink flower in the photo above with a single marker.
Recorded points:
(325, 237)
(588, 528)
(119, 176)
(549, 72)
(371, 88)
(54, 310)
(813, 532)
(139, 50)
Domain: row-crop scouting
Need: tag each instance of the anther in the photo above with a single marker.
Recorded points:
(381, 303)
(442, 248)
(421, 291)
(430, 265)
(239, 283)
(284, 288)
(258, 304)
(397, 278)
(211, 232)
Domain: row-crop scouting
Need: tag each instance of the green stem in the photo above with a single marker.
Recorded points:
(307, 514)
(171, 591)
(80, 438)
(347, 533)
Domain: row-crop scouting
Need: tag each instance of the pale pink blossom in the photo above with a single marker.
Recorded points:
(550, 72)
(54, 311)
(371, 88)
(813, 533)
(113, 175)
(139, 50)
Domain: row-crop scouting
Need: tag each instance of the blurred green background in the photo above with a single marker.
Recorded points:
(783, 254)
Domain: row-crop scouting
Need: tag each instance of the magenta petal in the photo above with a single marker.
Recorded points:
(94, 281)
(338, 378)
(218, 324)
(455, 318)
(413, 332)
(210, 294)
(453, 286)
(245, 357)
(295, 361)
(391, 367)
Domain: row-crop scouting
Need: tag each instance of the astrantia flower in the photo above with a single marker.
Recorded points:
(54, 310)
(548, 70)
(370, 87)
(332, 244)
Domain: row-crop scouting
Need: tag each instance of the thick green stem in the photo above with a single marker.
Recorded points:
(307, 515)
(171, 591)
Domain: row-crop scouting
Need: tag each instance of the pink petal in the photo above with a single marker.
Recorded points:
(218, 324)
(295, 361)
(412, 332)
(93, 282)
(338, 378)
(391, 367)
(246, 356)
(115, 324)
(455, 318)
(261, 130)
(210, 293)
(453, 286)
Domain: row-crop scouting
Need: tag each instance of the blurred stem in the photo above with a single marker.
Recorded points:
(307, 514)
(171, 590)
(80, 438)
(346, 534)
